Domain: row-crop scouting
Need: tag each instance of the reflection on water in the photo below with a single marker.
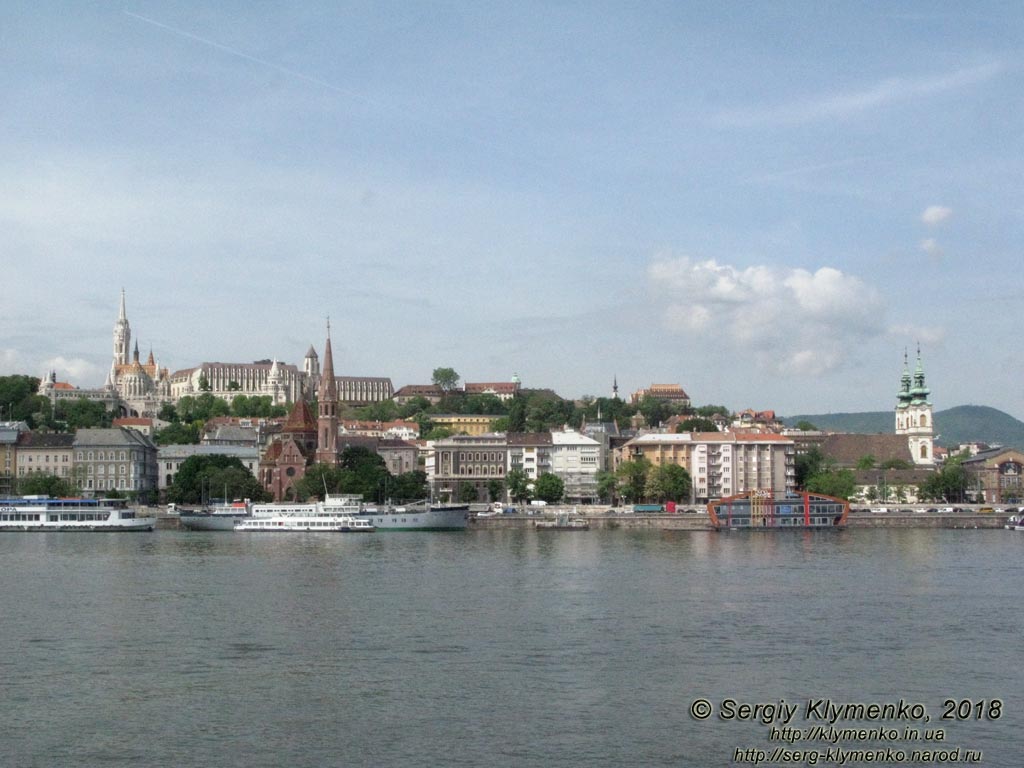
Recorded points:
(489, 647)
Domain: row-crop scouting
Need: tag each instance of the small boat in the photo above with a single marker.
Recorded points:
(41, 513)
(1014, 523)
(562, 522)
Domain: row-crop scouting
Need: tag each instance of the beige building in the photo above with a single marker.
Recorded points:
(722, 463)
(45, 454)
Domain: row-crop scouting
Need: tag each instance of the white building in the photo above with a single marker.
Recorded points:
(576, 459)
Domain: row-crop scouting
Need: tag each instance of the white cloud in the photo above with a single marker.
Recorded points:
(931, 247)
(73, 370)
(857, 101)
(935, 214)
(787, 320)
(926, 334)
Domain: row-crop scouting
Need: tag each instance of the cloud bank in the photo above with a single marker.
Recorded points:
(789, 321)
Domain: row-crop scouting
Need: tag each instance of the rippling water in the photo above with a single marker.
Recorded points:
(512, 648)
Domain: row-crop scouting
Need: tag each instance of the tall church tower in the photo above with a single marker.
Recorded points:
(914, 413)
(122, 336)
(327, 415)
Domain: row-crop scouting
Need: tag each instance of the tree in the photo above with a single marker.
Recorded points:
(866, 462)
(549, 488)
(202, 477)
(806, 426)
(654, 410)
(410, 486)
(467, 493)
(668, 482)
(46, 485)
(839, 483)
(495, 489)
(632, 477)
(517, 414)
(607, 484)
(82, 413)
(445, 379)
(204, 383)
(177, 433)
(697, 424)
(807, 465)
(518, 484)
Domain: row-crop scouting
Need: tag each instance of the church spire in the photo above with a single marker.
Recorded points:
(327, 408)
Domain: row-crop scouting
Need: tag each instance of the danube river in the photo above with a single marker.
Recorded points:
(507, 648)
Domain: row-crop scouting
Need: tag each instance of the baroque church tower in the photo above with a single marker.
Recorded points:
(327, 416)
(914, 413)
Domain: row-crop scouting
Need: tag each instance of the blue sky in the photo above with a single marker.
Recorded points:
(763, 203)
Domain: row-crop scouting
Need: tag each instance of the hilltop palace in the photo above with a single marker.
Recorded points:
(134, 388)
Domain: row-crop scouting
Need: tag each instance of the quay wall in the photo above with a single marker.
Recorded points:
(700, 522)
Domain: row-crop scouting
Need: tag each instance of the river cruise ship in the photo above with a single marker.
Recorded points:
(768, 511)
(336, 514)
(41, 513)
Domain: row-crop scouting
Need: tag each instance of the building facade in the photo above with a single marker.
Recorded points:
(45, 453)
(122, 460)
(465, 460)
(996, 476)
(576, 459)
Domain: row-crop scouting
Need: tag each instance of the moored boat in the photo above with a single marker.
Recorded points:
(562, 522)
(42, 513)
(336, 514)
(215, 518)
(766, 511)
(420, 516)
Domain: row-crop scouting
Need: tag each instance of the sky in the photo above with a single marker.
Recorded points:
(768, 204)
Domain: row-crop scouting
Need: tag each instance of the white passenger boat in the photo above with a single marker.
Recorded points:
(337, 514)
(41, 513)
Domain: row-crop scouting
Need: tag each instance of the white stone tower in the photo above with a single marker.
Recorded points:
(122, 337)
(914, 413)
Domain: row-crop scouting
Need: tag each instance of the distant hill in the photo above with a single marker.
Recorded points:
(963, 424)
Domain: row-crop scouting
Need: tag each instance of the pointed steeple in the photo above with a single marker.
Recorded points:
(920, 392)
(327, 396)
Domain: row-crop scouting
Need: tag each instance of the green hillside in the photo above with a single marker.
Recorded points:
(963, 424)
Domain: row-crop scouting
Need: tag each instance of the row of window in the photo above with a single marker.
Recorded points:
(105, 456)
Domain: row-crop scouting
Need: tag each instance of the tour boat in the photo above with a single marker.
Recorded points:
(336, 514)
(41, 513)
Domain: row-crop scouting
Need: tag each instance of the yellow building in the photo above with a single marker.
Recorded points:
(465, 423)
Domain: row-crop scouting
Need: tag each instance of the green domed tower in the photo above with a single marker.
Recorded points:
(914, 413)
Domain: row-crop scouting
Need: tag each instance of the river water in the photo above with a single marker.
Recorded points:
(499, 648)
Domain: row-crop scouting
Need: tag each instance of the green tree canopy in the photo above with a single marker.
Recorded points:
(177, 433)
(632, 476)
(518, 484)
(549, 488)
(668, 482)
(697, 424)
(201, 478)
(445, 379)
(833, 482)
(866, 462)
(82, 413)
(46, 485)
